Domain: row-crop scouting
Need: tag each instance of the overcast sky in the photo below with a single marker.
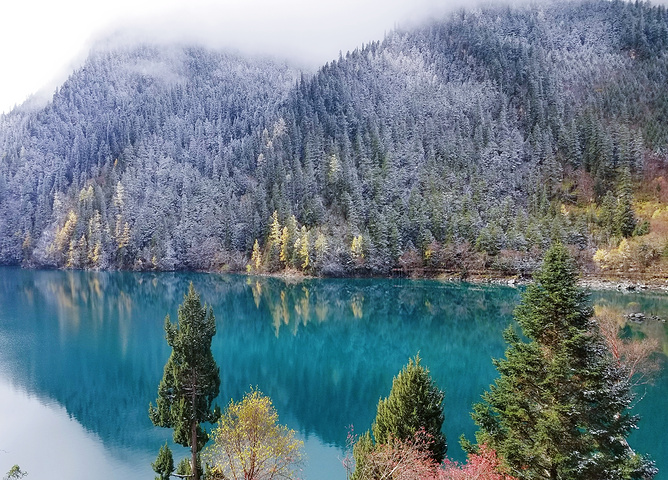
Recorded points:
(41, 41)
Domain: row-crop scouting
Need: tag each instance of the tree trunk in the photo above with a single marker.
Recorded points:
(193, 449)
(193, 427)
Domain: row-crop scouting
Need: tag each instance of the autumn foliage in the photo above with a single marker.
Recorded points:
(249, 443)
(410, 460)
(484, 465)
(635, 355)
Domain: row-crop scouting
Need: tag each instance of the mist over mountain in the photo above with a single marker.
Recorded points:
(470, 142)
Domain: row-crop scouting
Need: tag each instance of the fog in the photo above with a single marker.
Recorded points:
(41, 41)
(307, 32)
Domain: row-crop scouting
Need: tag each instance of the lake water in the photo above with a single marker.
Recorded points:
(81, 355)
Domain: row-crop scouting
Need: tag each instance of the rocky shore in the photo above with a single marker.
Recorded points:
(592, 282)
(624, 285)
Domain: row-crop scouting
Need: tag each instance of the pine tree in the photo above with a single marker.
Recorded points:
(624, 217)
(164, 463)
(191, 380)
(606, 215)
(559, 407)
(414, 404)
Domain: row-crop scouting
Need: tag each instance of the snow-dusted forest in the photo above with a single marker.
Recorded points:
(468, 143)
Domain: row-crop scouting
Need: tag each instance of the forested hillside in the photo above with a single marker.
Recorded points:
(466, 144)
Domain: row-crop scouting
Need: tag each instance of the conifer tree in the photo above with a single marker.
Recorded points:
(559, 409)
(191, 380)
(274, 242)
(256, 258)
(164, 463)
(624, 217)
(414, 404)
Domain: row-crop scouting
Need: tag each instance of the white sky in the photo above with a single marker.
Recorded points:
(41, 41)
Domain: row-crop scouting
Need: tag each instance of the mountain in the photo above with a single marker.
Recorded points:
(468, 143)
(131, 142)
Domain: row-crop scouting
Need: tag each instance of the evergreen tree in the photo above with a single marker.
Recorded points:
(606, 216)
(164, 463)
(362, 449)
(184, 469)
(415, 403)
(191, 378)
(624, 217)
(559, 407)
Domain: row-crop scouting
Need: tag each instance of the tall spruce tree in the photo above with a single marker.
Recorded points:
(559, 409)
(191, 379)
(415, 403)
(624, 221)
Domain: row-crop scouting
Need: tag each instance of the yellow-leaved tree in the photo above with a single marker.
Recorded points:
(250, 444)
(256, 259)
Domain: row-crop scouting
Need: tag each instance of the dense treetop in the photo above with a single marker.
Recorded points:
(437, 147)
(560, 407)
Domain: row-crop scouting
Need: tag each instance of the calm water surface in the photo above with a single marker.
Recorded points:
(81, 355)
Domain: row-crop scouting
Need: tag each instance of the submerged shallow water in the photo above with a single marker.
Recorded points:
(81, 355)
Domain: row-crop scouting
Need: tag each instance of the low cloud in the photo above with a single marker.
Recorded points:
(44, 42)
(306, 32)
(310, 33)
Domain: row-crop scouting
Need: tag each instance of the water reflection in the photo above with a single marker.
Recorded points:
(653, 305)
(324, 350)
(28, 441)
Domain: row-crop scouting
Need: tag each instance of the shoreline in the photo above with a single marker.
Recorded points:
(624, 284)
(593, 282)
(627, 284)
(588, 281)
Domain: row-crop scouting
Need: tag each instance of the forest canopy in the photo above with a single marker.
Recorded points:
(467, 143)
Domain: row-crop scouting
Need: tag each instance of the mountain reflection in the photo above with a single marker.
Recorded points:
(324, 350)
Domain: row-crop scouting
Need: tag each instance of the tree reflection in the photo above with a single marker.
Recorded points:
(325, 351)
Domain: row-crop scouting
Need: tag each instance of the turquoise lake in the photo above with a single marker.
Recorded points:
(81, 355)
